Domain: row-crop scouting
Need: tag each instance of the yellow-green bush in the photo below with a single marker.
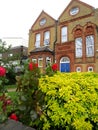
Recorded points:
(71, 101)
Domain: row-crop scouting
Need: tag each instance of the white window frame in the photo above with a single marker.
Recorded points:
(37, 40)
(78, 47)
(39, 62)
(90, 45)
(64, 34)
(34, 60)
(46, 38)
(48, 61)
(78, 69)
(90, 69)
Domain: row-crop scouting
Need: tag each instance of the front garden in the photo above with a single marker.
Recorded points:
(53, 101)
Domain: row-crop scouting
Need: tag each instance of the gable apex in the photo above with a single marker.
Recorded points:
(71, 4)
(43, 13)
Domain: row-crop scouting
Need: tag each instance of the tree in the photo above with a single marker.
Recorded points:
(3, 48)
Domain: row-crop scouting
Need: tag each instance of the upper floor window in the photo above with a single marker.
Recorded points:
(78, 47)
(90, 45)
(46, 38)
(64, 34)
(37, 40)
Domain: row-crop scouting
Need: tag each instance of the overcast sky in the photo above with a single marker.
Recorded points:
(17, 16)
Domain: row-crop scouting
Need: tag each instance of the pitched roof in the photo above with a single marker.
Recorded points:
(42, 49)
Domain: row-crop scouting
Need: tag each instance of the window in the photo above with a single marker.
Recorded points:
(34, 60)
(64, 34)
(48, 61)
(40, 62)
(90, 45)
(37, 42)
(78, 69)
(90, 69)
(78, 47)
(74, 11)
(46, 38)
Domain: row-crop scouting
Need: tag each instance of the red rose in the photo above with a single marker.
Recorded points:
(13, 116)
(2, 71)
(54, 67)
(32, 66)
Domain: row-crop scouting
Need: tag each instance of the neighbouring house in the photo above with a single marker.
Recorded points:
(16, 56)
(71, 41)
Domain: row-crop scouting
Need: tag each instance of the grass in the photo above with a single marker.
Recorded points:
(10, 86)
(12, 94)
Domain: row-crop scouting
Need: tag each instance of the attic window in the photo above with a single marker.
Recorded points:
(42, 21)
(74, 11)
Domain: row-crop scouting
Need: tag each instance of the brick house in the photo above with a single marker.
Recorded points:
(71, 41)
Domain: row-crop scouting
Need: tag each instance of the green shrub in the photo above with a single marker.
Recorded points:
(30, 98)
(71, 101)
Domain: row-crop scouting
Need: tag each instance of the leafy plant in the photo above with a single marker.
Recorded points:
(71, 101)
(30, 98)
(5, 101)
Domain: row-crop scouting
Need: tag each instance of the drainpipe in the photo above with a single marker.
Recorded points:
(55, 41)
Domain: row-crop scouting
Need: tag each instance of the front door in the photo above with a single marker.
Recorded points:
(65, 64)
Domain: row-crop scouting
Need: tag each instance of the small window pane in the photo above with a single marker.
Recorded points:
(48, 61)
(34, 60)
(90, 69)
(40, 62)
(78, 69)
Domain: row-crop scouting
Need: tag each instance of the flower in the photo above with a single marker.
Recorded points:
(13, 116)
(2, 71)
(54, 67)
(32, 66)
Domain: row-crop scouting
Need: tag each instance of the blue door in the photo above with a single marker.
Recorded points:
(65, 67)
(65, 64)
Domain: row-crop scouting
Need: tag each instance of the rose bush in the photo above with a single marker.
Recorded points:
(2, 71)
(30, 98)
(51, 69)
(5, 101)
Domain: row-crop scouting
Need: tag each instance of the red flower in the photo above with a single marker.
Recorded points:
(32, 66)
(54, 67)
(13, 116)
(2, 71)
